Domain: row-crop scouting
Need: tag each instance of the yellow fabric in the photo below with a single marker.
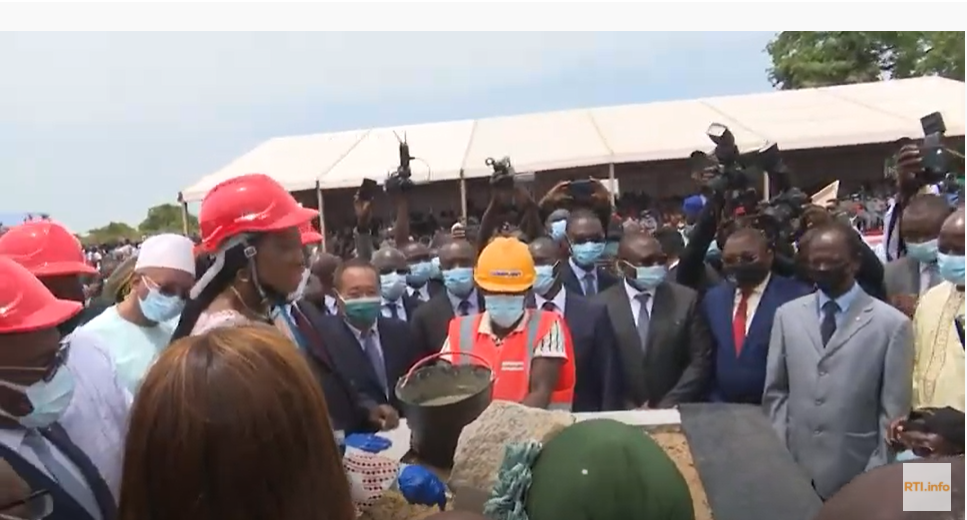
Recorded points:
(938, 370)
(505, 266)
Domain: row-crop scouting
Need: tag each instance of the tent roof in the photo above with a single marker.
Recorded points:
(795, 119)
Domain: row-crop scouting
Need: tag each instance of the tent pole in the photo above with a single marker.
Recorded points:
(463, 196)
(322, 221)
(765, 186)
(614, 196)
(184, 214)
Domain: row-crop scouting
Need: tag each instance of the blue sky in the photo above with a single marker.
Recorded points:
(101, 126)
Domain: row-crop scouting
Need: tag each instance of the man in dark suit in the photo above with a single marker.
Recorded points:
(392, 268)
(910, 276)
(598, 387)
(662, 337)
(739, 314)
(586, 241)
(349, 409)
(430, 321)
(419, 281)
(371, 351)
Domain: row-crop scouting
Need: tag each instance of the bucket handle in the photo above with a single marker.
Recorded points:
(405, 379)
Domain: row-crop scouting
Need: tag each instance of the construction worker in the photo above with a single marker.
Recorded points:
(52, 254)
(529, 350)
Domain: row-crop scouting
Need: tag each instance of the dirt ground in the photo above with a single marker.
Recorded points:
(675, 444)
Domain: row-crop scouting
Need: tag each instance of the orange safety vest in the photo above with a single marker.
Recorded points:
(511, 361)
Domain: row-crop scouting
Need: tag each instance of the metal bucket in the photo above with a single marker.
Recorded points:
(439, 400)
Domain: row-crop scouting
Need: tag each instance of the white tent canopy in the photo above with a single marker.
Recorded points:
(795, 119)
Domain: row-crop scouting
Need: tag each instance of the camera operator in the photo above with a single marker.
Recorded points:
(921, 168)
(783, 219)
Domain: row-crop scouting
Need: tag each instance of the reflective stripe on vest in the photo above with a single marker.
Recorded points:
(468, 326)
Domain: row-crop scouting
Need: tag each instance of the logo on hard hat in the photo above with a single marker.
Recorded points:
(507, 274)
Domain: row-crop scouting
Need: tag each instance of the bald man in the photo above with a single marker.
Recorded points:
(909, 277)
(322, 268)
(663, 340)
(396, 302)
(878, 495)
(938, 375)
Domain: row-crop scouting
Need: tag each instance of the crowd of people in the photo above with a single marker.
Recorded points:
(243, 375)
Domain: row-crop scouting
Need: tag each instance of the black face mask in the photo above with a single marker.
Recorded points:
(747, 275)
(832, 282)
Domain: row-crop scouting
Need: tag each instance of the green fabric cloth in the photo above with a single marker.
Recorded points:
(606, 470)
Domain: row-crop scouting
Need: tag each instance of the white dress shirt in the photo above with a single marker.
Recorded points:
(752, 303)
(423, 293)
(559, 301)
(636, 303)
(580, 273)
(386, 309)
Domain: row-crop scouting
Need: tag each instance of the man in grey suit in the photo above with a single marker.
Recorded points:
(909, 277)
(839, 366)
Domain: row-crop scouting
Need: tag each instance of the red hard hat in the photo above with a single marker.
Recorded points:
(253, 203)
(26, 305)
(309, 235)
(45, 248)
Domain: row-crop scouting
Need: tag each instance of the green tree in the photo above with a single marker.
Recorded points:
(111, 233)
(804, 59)
(166, 218)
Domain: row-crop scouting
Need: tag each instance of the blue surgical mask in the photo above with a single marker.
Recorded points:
(435, 273)
(951, 268)
(392, 286)
(459, 281)
(923, 252)
(159, 307)
(48, 399)
(362, 311)
(504, 310)
(419, 273)
(558, 229)
(544, 280)
(906, 455)
(587, 253)
(650, 276)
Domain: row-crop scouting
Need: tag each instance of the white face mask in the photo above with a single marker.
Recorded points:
(300, 291)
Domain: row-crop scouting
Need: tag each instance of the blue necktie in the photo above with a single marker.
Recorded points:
(375, 358)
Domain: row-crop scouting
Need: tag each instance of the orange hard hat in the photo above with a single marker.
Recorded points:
(309, 235)
(25, 304)
(45, 248)
(253, 203)
(505, 266)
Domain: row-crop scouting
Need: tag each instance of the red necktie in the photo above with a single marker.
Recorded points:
(738, 323)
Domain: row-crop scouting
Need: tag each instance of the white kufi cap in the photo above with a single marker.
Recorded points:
(168, 250)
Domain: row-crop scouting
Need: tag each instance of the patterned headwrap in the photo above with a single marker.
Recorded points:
(594, 470)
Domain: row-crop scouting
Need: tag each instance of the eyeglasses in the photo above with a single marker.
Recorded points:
(35, 506)
(60, 359)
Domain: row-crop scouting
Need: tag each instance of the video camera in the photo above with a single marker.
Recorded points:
(503, 176)
(933, 155)
(401, 179)
(778, 217)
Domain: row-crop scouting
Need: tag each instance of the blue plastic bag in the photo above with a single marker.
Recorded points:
(368, 442)
(419, 485)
